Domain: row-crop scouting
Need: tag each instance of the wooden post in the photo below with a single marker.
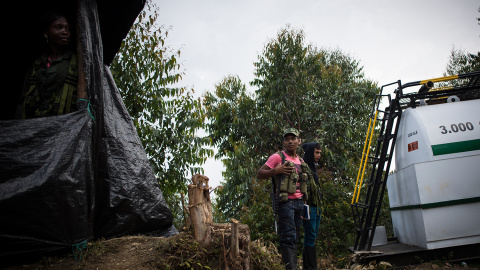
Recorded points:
(234, 238)
(237, 252)
(200, 206)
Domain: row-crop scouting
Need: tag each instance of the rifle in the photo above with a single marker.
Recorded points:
(275, 195)
(275, 202)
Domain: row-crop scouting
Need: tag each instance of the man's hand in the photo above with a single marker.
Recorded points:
(283, 169)
(265, 172)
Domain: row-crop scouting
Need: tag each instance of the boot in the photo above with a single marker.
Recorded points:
(289, 258)
(306, 266)
(309, 258)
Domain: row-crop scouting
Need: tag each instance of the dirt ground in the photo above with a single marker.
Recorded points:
(182, 252)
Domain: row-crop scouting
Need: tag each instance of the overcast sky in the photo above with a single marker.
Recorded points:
(407, 40)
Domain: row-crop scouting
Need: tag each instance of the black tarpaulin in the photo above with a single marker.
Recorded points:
(46, 184)
(73, 178)
(123, 172)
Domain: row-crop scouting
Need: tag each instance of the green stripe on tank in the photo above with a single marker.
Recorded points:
(456, 147)
(436, 205)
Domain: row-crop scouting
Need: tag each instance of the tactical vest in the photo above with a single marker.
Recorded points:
(286, 184)
(56, 104)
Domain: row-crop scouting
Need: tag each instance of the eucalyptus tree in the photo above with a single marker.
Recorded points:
(231, 113)
(462, 62)
(321, 92)
(167, 118)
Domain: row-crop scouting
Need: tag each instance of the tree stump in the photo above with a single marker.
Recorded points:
(199, 206)
(234, 236)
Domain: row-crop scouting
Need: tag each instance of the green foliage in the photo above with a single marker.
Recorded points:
(337, 231)
(321, 92)
(259, 215)
(461, 62)
(166, 118)
(231, 112)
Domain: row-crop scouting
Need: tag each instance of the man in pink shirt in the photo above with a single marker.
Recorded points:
(290, 208)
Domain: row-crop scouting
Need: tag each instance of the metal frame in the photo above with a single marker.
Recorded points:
(366, 214)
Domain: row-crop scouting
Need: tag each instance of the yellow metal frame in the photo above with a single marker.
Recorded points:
(363, 161)
(442, 79)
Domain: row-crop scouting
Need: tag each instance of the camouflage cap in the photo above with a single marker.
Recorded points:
(293, 131)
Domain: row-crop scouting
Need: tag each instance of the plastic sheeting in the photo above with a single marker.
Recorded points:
(46, 183)
(135, 202)
(69, 179)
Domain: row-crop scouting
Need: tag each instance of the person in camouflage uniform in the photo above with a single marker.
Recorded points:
(50, 86)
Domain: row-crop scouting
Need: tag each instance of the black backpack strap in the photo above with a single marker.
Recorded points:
(282, 155)
(69, 86)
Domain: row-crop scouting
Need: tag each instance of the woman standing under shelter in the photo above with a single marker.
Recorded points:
(51, 84)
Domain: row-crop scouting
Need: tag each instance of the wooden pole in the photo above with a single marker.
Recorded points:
(234, 238)
(200, 206)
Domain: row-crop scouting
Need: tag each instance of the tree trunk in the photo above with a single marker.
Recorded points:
(200, 206)
(235, 236)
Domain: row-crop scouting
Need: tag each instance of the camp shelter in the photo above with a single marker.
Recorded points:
(73, 178)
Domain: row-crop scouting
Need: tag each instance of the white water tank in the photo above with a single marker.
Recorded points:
(435, 192)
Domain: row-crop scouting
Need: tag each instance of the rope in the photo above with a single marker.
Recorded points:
(88, 107)
(190, 206)
(77, 249)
